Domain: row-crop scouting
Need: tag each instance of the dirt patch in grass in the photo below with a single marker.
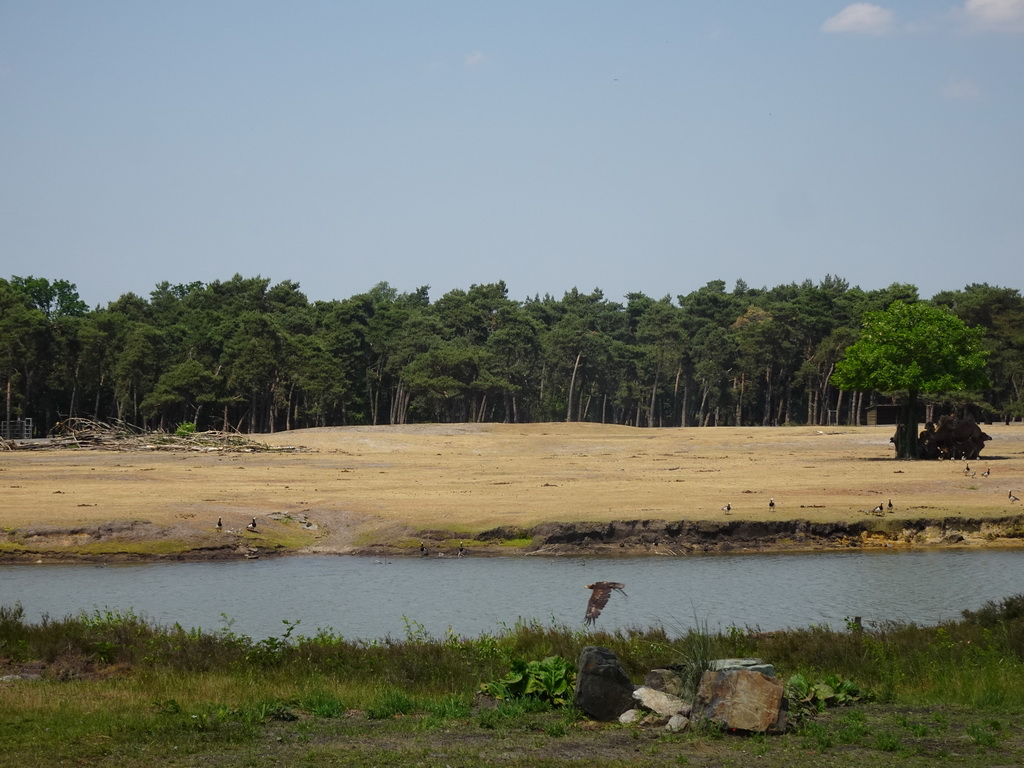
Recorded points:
(579, 487)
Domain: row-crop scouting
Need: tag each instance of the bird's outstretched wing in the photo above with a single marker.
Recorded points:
(600, 591)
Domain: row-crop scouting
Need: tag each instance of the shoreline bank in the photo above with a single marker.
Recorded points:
(135, 541)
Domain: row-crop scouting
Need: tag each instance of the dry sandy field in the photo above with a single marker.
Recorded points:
(538, 488)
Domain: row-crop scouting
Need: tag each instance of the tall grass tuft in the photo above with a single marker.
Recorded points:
(696, 651)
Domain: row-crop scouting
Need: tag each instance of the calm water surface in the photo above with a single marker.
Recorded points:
(362, 598)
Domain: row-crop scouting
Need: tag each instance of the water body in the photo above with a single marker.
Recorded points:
(359, 597)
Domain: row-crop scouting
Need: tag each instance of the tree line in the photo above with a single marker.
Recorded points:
(245, 355)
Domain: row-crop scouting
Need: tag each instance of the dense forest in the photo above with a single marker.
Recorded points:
(246, 355)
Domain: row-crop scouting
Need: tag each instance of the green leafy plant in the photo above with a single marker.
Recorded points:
(551, 680)
(834, 691)
(185, 429)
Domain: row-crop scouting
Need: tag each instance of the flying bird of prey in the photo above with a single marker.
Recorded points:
(600, 591)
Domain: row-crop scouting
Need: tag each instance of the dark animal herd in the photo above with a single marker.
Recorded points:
(951, 437)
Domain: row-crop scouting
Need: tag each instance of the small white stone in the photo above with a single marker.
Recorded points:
(677, 723)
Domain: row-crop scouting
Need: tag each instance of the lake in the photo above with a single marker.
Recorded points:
(361, 597)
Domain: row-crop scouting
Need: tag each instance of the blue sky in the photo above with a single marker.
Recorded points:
(626, 146)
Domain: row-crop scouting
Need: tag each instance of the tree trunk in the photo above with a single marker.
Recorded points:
(288, 409)
(654, 396)
(99, 390)
(584, 407)
(572, 386)
(676, 421)
(906, 431)
(701, 412)
(739, 401)
(684, 410)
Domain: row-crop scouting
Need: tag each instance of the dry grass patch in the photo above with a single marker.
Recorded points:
(373, 484)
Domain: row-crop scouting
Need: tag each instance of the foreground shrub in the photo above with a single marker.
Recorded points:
(551, 680)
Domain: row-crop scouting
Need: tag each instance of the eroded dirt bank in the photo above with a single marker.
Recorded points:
(686, 537)
(617, 538)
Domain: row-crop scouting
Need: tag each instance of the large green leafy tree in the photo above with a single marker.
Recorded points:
(913, 349)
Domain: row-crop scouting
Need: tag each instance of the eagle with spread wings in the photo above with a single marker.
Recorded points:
(600, 591)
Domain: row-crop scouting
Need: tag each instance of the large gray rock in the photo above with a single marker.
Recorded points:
(739, 699)
(603, 689)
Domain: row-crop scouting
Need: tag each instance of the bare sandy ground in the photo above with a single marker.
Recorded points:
(359, 487)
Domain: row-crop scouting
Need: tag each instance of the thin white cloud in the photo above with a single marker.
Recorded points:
(861, 19)
(993, 15)
(961, 89)
(474, 59)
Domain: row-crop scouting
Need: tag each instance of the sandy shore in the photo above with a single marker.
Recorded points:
(362, 489)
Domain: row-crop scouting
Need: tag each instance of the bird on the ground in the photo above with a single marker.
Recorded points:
(879, 508)
(1013, 498)
(251, 526)
(727, 508)
(423, 550)
(987, 472)
(600, 591)
(967, 469)
(220, 523)
(771, 504)
(462, 550)
(890, 505)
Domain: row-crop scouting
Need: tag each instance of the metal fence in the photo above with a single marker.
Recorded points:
(19, 429)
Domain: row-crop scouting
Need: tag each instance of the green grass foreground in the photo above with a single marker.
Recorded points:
(117, 690)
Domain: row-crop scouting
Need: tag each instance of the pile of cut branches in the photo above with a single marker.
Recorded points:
(118, 436)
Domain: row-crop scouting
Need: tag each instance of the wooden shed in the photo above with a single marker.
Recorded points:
(883, 414)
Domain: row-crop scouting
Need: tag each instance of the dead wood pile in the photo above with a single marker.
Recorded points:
(118, 436)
